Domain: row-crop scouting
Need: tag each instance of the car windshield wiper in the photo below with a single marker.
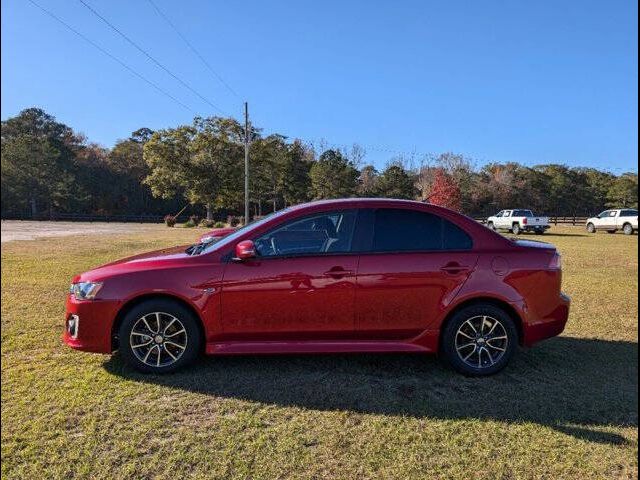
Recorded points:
(197, 248)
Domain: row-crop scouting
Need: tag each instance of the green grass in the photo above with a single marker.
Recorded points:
(566, 408)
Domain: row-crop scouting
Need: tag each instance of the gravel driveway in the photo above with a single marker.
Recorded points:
(30, 230)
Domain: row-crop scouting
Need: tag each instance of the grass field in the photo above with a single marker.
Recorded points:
(566, 408)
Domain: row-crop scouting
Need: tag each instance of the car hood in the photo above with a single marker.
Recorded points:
(165, 258)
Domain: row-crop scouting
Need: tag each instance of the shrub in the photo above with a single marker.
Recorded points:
(207, 223)
(195, 219)
(169, 220)
(189, 224)
(219, 225)
(235, 221)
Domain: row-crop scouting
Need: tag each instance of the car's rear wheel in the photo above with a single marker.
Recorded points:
(591, 228)
(479, 340)
(159, 336)
(516, 229)
(627, 229)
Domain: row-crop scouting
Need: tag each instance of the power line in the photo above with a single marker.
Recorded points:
(193, 49)
(145, 53)
(95, 45)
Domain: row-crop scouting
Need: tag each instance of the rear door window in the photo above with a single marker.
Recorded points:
(401, 230)
(454, 238)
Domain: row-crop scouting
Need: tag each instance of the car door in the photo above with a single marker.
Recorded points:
(616, 219)
(412, 265)
(300, 286)
(606, 219)
(505, 221)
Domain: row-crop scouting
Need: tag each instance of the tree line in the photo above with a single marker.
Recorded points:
(47, 167)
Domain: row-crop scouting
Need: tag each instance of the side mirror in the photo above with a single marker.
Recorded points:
(245, 250)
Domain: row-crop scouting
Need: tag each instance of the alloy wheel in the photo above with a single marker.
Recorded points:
(481, 341)
(158, 339)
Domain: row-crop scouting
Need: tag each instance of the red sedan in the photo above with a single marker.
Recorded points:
(356, 275)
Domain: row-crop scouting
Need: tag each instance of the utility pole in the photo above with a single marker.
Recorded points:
(246, 163)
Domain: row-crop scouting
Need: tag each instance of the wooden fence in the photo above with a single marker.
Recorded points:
(554, 220)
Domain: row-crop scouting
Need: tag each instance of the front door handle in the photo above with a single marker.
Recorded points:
(454, 268)
(338, 272)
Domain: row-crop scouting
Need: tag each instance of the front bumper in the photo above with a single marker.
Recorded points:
(93, 322)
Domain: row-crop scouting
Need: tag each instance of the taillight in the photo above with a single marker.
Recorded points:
(524, 221)
(556, 262)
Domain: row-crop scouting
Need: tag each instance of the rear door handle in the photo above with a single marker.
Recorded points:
(338, 272)
(455, 268)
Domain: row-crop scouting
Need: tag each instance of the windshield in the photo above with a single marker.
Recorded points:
(224, 241)
(522, 213)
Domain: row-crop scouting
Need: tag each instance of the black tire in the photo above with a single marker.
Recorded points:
(627, 229)
(491, 226)
(167, 308)
(539, 232)
(516, 229)
(591, 228)
(448, 340)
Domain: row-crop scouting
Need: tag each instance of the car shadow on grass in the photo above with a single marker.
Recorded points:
(577, 386)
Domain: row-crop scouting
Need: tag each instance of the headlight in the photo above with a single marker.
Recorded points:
(85, 290)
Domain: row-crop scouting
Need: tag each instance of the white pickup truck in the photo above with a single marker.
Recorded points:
(625, 219)
(518, 221)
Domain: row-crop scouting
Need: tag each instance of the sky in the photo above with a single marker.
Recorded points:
(526, 81)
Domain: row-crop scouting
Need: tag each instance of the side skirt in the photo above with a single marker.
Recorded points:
(270, 348)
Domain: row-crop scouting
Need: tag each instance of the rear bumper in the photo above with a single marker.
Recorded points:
(93, 321)
(533, 228)
(550, 326)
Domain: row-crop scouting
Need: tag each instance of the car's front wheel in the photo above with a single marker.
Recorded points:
(591, 228)
(159, 336)
(479, 340)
